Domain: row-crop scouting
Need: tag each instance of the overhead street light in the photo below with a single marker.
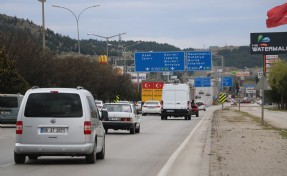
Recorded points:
(107, 40)
(43, 22)
(124, 49)
(77, 19)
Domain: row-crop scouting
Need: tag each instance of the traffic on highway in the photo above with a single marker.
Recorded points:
(145, 153)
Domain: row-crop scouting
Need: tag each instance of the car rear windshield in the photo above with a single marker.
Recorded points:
(8, 102)
(53, 105)
(117, 107)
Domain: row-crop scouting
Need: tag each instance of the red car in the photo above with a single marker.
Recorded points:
(194, 110)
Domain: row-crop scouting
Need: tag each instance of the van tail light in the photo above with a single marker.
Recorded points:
(87, 127)
(19, 127)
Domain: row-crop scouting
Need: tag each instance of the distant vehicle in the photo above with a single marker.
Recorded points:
(200, 92)
(197, 97)
(9, 107)
(201, 105)
(151, 107)
(138, 106)
(59, 122)
(99, 104)
(194, 110)
(176, 101)
(120, 116)
(246, 101)
(207, 94)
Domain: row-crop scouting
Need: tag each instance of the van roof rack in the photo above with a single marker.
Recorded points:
(80, 87)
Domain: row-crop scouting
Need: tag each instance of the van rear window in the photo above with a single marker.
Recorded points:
(53, 105)
(8, 102)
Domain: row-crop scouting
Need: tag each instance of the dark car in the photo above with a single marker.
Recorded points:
(9, 107)
(246, 101)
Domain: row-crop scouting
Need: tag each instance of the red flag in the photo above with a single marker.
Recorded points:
(277, 16)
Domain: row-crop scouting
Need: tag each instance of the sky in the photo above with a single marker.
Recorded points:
(181, 23)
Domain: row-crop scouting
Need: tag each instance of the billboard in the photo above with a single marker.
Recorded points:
(268, 43)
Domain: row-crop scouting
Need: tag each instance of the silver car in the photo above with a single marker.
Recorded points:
(59, 122)
(120, 116)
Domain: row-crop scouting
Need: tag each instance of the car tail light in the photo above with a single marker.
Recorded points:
(19, 127)
(87, 127)
(157, 106)
(145, 106)
(126, 119)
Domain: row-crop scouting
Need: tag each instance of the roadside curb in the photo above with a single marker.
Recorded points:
(204, 168)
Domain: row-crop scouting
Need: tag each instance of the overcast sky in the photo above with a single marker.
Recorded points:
(182, 23)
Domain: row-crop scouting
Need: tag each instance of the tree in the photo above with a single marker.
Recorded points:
(278, 81)
(10, 80)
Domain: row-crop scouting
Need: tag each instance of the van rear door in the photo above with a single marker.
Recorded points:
(53, 118)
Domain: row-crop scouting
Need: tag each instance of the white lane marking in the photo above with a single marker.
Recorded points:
(164, 170)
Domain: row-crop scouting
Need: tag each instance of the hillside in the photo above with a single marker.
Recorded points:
(238, 57)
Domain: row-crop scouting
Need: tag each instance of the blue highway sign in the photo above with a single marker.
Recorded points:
(227, 81)
(159, 61)
(199, 60)
(202, 82)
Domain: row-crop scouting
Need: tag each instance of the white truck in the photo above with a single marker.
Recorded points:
(177, 101)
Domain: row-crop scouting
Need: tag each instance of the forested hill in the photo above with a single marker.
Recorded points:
(238, 57)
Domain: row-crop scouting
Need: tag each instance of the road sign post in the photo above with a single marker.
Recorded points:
(199, 60)
(202, 82)
(159, 61)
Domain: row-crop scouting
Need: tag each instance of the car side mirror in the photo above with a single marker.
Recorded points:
(105, 114)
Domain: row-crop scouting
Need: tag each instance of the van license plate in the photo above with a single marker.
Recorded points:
(52, 130)
(169, 110)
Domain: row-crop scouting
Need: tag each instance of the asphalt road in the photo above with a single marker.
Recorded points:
(163, 147)
(140, 154)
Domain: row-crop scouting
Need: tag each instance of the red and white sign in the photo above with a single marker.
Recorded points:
(151, 91)
(271, 56)
(242, 74)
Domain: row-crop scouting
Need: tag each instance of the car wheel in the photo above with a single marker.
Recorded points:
(185, 117)
(138, 129)
(33, 157)
(132, 130)
(197, 114)
(106, 130)
(101, 155)
(19, 159)
(143, 114)
(189, 117)
(91, 158)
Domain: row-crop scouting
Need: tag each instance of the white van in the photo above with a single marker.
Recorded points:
(59, 122)
(176, 101)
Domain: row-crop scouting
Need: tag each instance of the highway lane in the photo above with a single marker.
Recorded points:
(140, 154)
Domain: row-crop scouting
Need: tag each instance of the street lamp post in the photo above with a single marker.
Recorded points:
(124, 49)
(43, 22)
(107, 39)
(77, 20)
